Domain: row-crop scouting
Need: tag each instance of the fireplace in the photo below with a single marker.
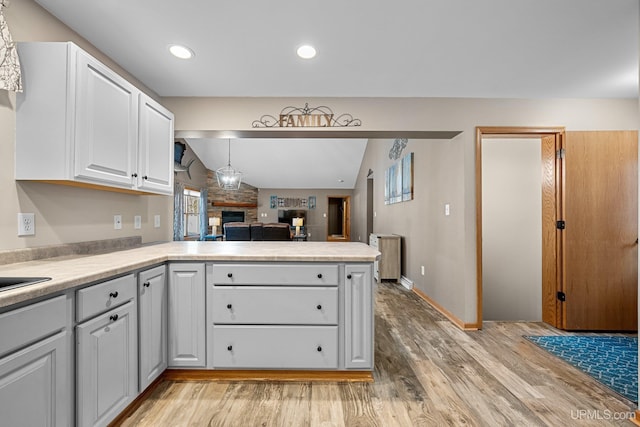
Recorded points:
(232, 216)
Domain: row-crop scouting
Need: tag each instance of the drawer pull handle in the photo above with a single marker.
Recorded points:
(146, 284)
(229, 306)
(319, 348)
(113, 295)
(113, 318)
(229, 275)
(319, 275)
(229, 347)
(349, 276)
(134, 175)
(319, 307)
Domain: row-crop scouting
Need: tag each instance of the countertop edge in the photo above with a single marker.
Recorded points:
(117, 264)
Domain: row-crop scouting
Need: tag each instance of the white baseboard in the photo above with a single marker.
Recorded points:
(406, 282)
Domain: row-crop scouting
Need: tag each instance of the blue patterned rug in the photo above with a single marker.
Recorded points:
(613, 361)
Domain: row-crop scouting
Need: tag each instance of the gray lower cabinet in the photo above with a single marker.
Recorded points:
(35, 374)
(358, 322)
(106, 354)
(152, 324)
(275, 346)
(187, 324)
(290, 316)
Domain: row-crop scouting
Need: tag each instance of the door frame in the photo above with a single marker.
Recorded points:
(518, 132)
(346, 220)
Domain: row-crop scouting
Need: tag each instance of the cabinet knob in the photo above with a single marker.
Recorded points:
(229, 275)
(319, 348)
(229, 347)
(319, 275)
(146, 284)
(349, 276)
(319, 307)
(113, 295)
(113, 318)
(229, 306)
(135, 175)
(145, 177)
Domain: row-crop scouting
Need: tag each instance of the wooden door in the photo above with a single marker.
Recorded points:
(601, 213)
(551, 238)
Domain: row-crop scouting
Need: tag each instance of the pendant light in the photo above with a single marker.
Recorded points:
(228, 177)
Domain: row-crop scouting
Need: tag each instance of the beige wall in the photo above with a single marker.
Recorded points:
(512, 229)
(445, 172)
(316, 220)
(64, 214)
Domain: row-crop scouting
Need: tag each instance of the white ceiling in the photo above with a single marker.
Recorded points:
(373, 48)
(286, 163)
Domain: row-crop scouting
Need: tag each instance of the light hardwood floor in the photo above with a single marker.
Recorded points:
(427, 373)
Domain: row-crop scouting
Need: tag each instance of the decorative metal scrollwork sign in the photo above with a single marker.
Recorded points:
(315, 117)
(396, 150)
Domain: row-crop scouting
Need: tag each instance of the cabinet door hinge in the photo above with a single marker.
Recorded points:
(560, 225)
(560, 153)
(561, 296)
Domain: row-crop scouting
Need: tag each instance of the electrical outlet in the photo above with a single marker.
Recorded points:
(422, 269)
(117, 222)
(26, 224)
(156, 221)
(447, 209)
(137, 222)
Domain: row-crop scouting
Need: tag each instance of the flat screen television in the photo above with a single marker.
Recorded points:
(287, 215)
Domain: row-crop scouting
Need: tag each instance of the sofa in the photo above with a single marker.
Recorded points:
(256, 231)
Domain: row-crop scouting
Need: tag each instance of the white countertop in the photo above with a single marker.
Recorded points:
(69, 272)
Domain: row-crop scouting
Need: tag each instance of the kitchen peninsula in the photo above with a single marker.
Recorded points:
(280, 309)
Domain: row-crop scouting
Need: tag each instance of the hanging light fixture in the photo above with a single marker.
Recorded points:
(228, 177)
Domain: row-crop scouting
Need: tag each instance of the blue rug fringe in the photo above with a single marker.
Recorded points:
(613, 361)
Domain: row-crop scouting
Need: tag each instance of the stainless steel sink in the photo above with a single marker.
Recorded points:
(7, 283)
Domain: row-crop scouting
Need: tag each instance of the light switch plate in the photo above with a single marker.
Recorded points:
(137, 222)
(117, 222)
(26, 224)
(156, 221)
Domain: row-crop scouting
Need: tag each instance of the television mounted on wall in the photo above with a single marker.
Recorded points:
(287, 215)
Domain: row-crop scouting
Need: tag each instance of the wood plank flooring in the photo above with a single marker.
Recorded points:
(427, 373)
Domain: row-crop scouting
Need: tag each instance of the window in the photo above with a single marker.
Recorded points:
(191, 213)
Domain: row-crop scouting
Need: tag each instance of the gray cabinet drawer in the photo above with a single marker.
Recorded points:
(104, 296)
(26, 325)
(283, 347)
(275, 305)
(275, 274)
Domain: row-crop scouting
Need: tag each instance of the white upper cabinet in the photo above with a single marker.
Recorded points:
(78, 122)
(155, 156)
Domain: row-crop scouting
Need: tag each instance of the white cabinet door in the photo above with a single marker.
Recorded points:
(106, 365)
(105, 124)
(358, 309)
(152, 303)
(34, 384)
(155, 147)
(187, 327)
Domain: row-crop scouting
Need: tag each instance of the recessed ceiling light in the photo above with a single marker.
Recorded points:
(181, 52)
(306, 51)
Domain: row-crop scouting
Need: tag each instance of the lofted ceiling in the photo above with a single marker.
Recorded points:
(286, 163)
(403, 48)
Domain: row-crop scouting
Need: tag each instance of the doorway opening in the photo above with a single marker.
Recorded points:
(551, 141)
(339, 219)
